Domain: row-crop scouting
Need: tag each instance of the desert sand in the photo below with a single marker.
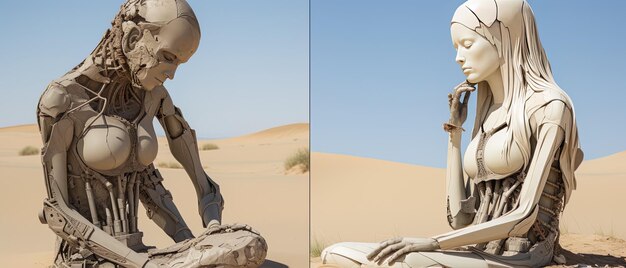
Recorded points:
(250, 171)
(369, 200)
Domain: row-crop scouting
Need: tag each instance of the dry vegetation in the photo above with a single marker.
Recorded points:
(316, 248)
(169, 165)
(29, 150)
(299, 159)
(209, 146)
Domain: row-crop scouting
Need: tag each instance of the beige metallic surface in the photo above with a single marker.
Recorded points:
(99, 145)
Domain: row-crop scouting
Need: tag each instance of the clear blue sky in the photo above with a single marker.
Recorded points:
(249, 73)
(381, 70)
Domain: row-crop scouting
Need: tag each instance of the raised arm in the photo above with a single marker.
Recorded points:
(184, 147)
(67, 223)
(460, 207)
(549, 139)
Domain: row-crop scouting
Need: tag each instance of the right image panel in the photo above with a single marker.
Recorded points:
(485, 133)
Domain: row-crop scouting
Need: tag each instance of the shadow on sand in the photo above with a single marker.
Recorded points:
(594, 260)
(273, 264)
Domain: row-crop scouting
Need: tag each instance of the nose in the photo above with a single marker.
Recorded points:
(460, 59)
(170, 71)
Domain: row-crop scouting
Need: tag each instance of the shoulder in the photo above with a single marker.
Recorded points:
(166, 105)
(160, 93)
(549, 106)
(55, 100)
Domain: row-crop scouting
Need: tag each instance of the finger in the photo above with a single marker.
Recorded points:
(254, 231)
(239, 227)
(460, 90)
(466, 97)
(210, 231)
(383, 245)
(456, 98)
(387, 251)
(402, 252)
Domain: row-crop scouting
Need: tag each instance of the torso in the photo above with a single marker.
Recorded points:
(486, 158)
(499, 172)
(112, 143)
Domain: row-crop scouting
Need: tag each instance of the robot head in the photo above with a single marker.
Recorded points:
(154, 37)
(510, 29)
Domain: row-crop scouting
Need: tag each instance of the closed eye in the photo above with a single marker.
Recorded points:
(168, 56)
(467, 44)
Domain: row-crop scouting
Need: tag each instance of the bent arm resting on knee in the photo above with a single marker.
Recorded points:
(184, 147)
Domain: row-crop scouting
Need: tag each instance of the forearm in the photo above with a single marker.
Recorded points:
(210, 202)
(184, 148)
(455, 184)
(72, 227)
(499, 228)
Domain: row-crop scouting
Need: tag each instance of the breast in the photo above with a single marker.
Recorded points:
(147, 144)
(105, 145)
(496, 159)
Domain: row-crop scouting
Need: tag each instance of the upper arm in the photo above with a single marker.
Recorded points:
(57, 133)
(166, 106)
(53, 103)
(170, 117)
(550, 122)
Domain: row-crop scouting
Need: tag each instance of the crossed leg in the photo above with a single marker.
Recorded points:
(353, 255)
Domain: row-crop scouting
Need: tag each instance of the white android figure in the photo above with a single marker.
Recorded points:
(520, 162)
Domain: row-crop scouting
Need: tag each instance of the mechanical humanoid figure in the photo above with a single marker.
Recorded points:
(520, 162)
(99, 145)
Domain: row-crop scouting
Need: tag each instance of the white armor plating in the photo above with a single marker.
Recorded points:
(520, 162)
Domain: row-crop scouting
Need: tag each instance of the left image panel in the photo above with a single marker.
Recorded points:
(155, 133)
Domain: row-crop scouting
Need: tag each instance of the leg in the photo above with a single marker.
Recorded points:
(160, 207)
(354, 255)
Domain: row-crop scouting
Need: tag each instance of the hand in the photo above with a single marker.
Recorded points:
(458, 108)
(228, 245)
(398, 247)
(215, 227)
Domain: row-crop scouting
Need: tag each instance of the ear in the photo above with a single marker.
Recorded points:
(132, 34)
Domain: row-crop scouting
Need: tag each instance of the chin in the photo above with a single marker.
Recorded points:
(474, 79)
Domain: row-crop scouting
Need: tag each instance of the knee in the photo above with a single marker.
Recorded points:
(335, 255)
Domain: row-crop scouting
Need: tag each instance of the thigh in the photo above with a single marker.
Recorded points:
(350, 254)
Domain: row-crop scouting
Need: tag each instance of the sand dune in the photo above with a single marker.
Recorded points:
(292, 131)
(249, 170)
(361, 199)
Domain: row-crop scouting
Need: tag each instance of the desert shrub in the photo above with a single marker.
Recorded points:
(29, 150)
(169, 165)
(316, 248)
(209, 146)
(300, 158)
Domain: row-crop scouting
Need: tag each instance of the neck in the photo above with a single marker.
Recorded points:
(497, 87)
(96, 71)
